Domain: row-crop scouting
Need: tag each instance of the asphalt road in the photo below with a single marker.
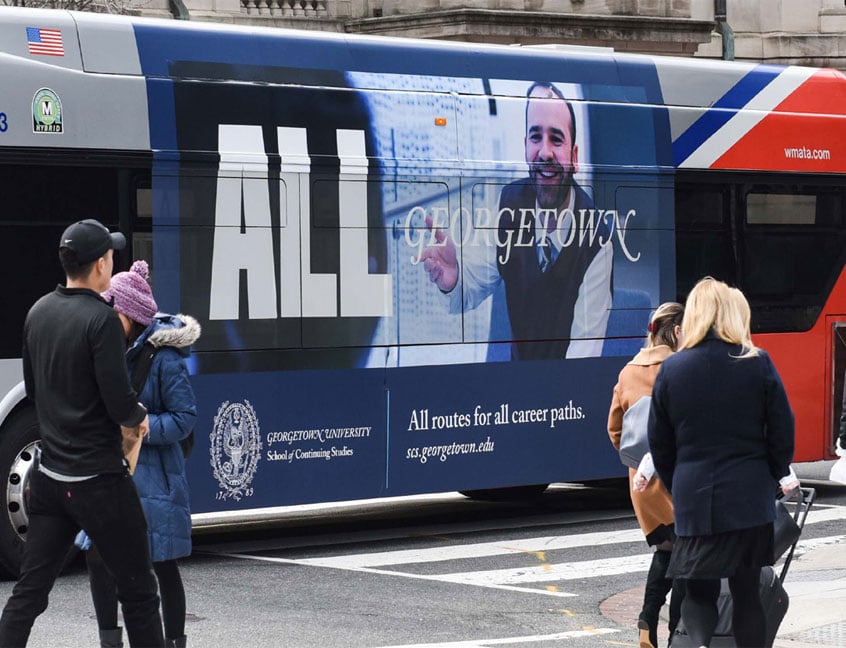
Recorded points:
(424, 571)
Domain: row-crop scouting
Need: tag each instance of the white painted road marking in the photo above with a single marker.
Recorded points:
(478, 550)
(554, 572)
(515, 579)
(484, 643)
(388, 572)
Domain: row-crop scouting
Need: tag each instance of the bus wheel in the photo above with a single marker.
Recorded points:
(510, 494)
(19, 439)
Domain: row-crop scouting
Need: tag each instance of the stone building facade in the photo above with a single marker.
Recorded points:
(803, 32)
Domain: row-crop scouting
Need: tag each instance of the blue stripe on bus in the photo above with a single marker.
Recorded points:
(162, 115)
(166, 257)
(723, 110)
(387, 437)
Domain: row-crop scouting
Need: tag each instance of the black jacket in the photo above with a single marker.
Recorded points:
(721, 435)
(74, 370)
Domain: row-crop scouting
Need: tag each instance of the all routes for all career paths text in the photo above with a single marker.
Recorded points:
(424, 420)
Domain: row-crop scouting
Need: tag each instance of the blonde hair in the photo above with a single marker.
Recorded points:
(714, 305)
(663, 323)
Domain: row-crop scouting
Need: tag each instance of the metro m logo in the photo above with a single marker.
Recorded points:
(243, 197)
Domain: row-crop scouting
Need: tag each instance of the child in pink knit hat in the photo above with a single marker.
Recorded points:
(158, 345)
(132, 294)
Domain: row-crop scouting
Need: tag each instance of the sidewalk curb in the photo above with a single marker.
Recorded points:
(623, 609)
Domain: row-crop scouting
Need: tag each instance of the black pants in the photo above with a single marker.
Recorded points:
(109, 510)
(657, 587)
(104, 594)
(699, 609)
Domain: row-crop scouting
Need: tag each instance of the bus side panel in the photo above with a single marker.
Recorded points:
(305, 182)
(313, 436)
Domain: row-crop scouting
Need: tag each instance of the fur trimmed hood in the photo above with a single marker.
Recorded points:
(176, 331)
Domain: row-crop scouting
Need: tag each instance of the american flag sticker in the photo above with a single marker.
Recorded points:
(47, 42)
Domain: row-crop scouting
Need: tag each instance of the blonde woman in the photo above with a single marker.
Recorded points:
(651, 501)
(721, 435)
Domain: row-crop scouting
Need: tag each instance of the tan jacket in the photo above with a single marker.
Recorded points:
(653, 507)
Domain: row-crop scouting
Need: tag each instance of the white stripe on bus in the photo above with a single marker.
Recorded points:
(748, 117)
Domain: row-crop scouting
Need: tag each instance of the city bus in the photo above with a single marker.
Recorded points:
(361, 226)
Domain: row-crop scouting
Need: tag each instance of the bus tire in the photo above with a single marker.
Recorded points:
(509, 494)
(20, 436)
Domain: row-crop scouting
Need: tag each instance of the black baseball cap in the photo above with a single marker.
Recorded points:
(90, 240)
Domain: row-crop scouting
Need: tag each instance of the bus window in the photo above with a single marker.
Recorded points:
(703, 236)
(39, 201)
(792, 244)
(780, 209)
(142, 229)
(782, 243)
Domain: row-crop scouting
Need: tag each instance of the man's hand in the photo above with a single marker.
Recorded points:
(132, 441)
(143, 427)
(440, 260)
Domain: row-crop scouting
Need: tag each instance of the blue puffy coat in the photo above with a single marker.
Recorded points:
(169, 399)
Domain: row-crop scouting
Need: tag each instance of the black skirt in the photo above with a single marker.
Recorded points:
(720, 555)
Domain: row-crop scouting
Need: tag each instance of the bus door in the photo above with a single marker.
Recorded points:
(836, 364)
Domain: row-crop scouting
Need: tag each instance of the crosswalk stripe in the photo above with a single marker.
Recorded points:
(587, 568)
(528, 545)
(554, 572)
(477, 550)
(484, 643)
(825, 514)
(430, 577)
(809, 544)
(513, 579)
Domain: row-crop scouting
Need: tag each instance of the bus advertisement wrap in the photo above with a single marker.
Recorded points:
(317, 229)
(314, 436)
(375, 260)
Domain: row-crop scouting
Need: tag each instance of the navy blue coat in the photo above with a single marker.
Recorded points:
(169, 399)
(721, 435)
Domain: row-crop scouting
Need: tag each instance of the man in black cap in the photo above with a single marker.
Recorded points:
(74, 371)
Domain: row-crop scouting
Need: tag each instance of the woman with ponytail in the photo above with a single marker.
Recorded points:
(651, 501)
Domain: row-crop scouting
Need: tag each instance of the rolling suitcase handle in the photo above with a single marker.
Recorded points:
(804, 501)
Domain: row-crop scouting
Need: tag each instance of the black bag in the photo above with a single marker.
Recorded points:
(140, 373)
(783, 530)
(775, 601)
(786, 531)
(773, 598)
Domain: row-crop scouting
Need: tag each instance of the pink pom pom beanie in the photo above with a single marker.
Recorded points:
(132, 294)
